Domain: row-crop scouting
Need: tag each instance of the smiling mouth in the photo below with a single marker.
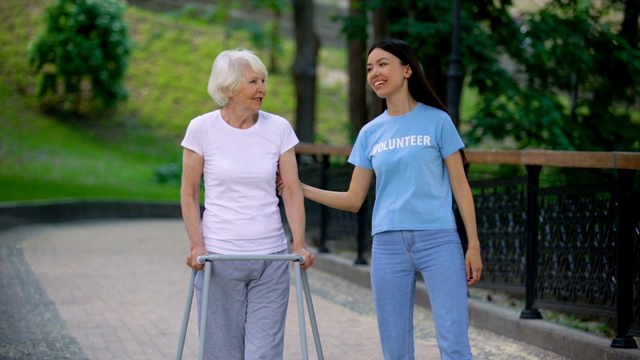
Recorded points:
(378, 83)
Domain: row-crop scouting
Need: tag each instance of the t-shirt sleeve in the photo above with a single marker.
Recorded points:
(289, 138)
(449, 138)
(359, 153)
(193, 137)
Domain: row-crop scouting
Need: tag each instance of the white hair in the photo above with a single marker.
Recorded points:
(227, 71)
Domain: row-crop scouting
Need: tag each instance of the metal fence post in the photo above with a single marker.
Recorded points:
(625, 269)
(531, 255)
(324, 211)
(362, 232)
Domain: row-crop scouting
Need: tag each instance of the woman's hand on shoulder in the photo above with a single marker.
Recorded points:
(279, 183)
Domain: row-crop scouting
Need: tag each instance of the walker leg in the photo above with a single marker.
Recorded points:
(312, 315)
(303, 330)
(203, 310)
(302, 284)
(185, 318)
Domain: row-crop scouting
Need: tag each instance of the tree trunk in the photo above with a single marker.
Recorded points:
(380, 31)
(455, 76)
(629, 30)
(274, 41)
(304, 68)
(357, 73)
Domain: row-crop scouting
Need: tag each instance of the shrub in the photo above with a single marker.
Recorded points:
(84, 48)
(168, 174)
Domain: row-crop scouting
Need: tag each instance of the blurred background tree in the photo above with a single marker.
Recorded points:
(304, 67)
(273, 39)
(82, 54)
(564, 75)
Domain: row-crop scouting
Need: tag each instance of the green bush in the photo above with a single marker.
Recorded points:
(168, 174)
(84, 49)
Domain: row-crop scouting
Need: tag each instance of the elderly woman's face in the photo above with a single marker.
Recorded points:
(252, 91)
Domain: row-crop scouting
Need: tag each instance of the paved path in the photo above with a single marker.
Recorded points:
(116, 290)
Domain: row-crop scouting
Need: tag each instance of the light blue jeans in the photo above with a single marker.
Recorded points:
(397, 258)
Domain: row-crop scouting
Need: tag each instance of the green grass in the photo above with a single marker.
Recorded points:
(116, 155)
(48, 158)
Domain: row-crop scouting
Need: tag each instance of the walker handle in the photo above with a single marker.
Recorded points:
(286, 257)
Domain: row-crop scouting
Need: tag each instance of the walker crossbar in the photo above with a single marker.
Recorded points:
(287, 257)
(302, 284)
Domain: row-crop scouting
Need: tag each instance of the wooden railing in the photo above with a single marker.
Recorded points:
(578, 159)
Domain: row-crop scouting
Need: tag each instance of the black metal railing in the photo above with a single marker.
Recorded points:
(567, 248)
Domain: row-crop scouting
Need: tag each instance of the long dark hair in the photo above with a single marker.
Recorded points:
(419, 86)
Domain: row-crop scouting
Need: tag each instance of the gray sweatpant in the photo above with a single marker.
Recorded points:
(247, 309)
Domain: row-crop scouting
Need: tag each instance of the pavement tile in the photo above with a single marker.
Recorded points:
(116, 289)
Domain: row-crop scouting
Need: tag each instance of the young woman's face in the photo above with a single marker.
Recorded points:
(385, 73)
(252, 91)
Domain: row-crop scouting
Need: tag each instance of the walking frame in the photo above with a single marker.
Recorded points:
(302, 283)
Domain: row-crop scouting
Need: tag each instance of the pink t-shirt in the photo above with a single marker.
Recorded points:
(241, 205)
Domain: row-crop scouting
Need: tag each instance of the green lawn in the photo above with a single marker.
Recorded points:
(117, 155)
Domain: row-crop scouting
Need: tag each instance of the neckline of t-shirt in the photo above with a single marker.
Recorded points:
(415, 108)
(225, 124)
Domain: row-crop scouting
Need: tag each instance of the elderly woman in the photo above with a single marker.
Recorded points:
(238, 149)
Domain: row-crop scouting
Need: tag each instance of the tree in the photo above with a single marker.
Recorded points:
(84, 48)
(579, 83)
(230, 14)
(304, 68)
(357, 48)
(565, 76)
(272, 29)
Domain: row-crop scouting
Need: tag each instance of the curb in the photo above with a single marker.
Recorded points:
(22, 213)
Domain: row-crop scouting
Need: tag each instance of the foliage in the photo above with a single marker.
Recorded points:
(85, 44)
(168, 174)
(595, 326)
(578, 89)
(54, 156)
(264, 35)
(557, 77)
(272, 41)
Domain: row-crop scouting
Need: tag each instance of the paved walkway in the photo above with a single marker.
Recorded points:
(116, 290)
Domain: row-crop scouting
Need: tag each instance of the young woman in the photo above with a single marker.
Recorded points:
(413, 148)
(237, 149)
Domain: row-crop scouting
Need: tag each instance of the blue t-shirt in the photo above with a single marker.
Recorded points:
(407, 154)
